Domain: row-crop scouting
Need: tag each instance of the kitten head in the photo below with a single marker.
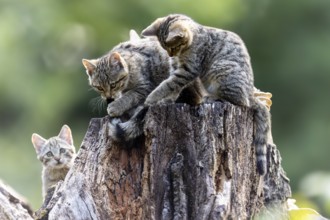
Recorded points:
(108, 75)
(56, 152)
(174, 33)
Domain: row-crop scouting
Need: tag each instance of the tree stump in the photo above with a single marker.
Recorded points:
(192, 163)
(12, 205)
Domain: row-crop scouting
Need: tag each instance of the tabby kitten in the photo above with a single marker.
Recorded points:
(56, 155)
(125, 77)
(128, 73)
(220, 60)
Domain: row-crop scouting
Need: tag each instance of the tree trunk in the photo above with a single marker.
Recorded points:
(193, 163)
(12, 205)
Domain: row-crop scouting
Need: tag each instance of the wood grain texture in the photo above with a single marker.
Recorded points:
(12, 205)
(192, 163)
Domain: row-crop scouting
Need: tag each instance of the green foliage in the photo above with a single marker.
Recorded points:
(304, 214)
(300, 213)
(43, 84)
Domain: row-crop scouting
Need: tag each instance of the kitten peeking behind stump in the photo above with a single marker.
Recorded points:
(56, 155)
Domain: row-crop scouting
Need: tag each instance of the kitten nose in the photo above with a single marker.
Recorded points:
(109, 100)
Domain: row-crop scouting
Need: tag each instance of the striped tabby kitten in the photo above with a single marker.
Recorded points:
(56, 155)
(125, 77)
(128, 73)
(220, 60)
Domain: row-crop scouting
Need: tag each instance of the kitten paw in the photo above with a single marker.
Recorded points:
(167, 100)
(112, 126)
(150, 102)
(153, 98)
(210, 99)
(114, 121)
(113, 112)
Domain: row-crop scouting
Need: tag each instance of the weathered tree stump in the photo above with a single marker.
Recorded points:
(193, 163)
(12, 205)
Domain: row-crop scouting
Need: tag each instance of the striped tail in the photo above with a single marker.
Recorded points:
(262, 127)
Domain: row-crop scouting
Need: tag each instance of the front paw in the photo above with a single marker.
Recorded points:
(167, 101)
(113, 111)
(114, 122)
(150, 101)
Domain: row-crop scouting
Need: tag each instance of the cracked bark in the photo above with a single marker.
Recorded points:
(192, 163)
(12, 205)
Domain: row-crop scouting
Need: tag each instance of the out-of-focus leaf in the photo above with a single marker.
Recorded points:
(305, 214)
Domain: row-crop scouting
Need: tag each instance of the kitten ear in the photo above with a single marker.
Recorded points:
(178, 34)
(174, 37)
(115, 58)
(152, 29)
(90, 66)
(65, 134)
(38, 142)
(133, 36)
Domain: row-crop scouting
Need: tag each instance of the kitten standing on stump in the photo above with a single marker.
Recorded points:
(220, 60)
(125, 76)
(56, 155)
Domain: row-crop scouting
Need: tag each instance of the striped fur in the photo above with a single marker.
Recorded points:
(126, 76)
(56, 155)
(219, 59)
(128, 73)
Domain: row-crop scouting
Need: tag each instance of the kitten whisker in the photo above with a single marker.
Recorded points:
(97, 104)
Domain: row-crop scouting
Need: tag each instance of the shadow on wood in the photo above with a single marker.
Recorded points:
(193, 163)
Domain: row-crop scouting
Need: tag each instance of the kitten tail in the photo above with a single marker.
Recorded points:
(262, 126)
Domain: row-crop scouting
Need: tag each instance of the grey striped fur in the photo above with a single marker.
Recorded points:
(56, 155)
(128, 73)
(220, 60)
(126, 76)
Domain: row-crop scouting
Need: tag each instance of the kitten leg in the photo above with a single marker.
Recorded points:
(229, 81)
(170, 88)
(128, 101)
(193, 94)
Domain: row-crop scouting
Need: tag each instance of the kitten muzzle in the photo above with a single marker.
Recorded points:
(109, 100)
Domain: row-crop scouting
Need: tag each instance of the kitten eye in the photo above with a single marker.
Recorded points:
(62, 150)
(113, 85)
(49, 154)
(99, 88)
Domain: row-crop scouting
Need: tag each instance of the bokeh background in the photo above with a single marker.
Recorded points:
(43, 84)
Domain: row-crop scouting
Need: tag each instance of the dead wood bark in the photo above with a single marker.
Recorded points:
(192, 163)
(12, 205)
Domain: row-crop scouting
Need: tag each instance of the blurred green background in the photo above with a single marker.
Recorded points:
(43, 84)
